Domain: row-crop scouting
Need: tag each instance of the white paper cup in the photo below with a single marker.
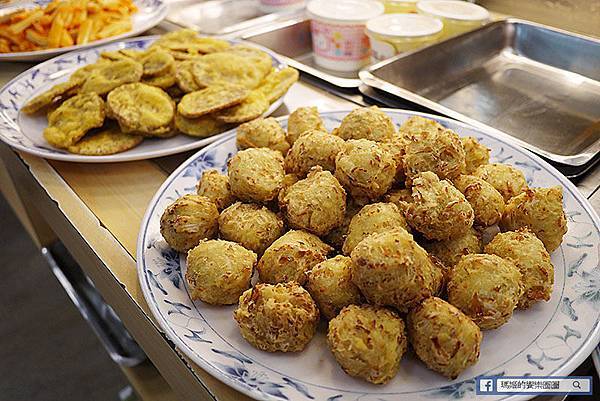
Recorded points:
(338, 32)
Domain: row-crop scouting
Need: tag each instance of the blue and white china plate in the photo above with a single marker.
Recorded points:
(551, 338)
(150, 13)
(24, 132)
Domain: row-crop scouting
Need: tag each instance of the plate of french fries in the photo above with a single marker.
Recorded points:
(38, 30)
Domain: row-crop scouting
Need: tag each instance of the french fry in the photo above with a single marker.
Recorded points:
(64, 23)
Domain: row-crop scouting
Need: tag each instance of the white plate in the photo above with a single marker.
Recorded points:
(551, 338)
(24, 132)
(149, 14)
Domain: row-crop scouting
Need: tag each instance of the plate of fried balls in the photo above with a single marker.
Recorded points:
(371, 254)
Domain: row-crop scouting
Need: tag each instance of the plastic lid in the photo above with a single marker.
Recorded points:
(345, 10)
(460, 10)
(404, 25)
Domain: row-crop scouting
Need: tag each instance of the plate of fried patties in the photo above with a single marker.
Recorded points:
(140, 98)
(372, 254)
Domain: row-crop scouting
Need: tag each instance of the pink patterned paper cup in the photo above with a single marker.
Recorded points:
(338, 32)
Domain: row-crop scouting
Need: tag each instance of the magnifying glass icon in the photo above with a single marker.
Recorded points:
(577, 384)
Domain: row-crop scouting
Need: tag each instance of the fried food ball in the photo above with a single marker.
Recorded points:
(451, 250)
(188, 220)
(218, 271)
(367, 123)
(365, 169)
(280, 317)
(313, 148)
(486, 201)
(253, 226)
(337, 236)
(397, 148)
(486, 288)
(507, 180)
(440, 152)
(443, 337)
(391, 269)
(290, 257)
(330, 285)
(527, 252)
(215, 186)
(540, 210)
(417, 124)
(316, 204)
(301, 120)
(438, 211)
(256, 174)
(372, 219)
(475, 153)
(262, 133)
(400, 197)
(368, 342)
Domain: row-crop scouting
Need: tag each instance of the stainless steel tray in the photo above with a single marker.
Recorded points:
(539, 85)
(292, 39)
(219, 17)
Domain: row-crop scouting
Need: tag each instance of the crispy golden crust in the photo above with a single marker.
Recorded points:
(438, 211)
(486, 201)
(313, 148)
(107, 76)
(540, 210)
(400, 197)
(365, 169)
(391, 269)
(218, 272)
(527, 252)
(184, 77)
(368, 342)
(72, 119)
(57, 92)
(105, 141)
(262, 133)
(330, 285)
(185, 44)
(450, 251)
(438, 151)
(189, 220)
(163, 81)
(291, 256)
(367, 123)
(201, 127)
(142, 109)
(211, 99)
(316, 204)
(443, 337)
(397, 148)
(215, 186)
(486, 288)
(156, 62)
(416, 124)
(507, 180)
(372, 219)
(253, 106)
(302, 120)
(220, 68)
(253, 226)
(262, 60)
(277, 83)
(256, 174)
(475, 154)
(280, 317)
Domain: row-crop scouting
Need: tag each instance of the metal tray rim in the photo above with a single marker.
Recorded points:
(367, 77)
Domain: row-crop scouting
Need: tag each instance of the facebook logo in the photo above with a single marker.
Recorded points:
(485, 385)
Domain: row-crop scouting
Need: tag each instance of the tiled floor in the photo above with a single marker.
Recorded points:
(47, 351)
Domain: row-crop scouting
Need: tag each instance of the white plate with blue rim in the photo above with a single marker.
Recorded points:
(551, 338)
(149, 14)
(25, 132)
